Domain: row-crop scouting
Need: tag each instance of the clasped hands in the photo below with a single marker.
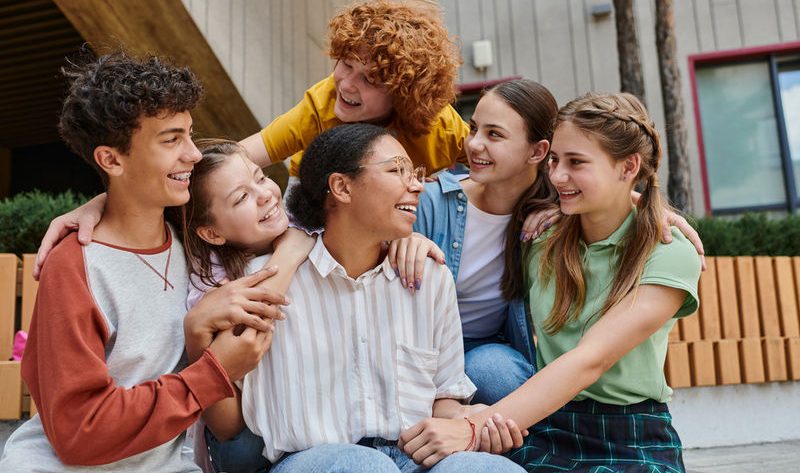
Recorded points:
(431, 440)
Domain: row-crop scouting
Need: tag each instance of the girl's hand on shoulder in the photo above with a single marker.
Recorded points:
(83, 219)
(431, 440)
(537, 223)
(295, 242)
(407, 257)
(500, 435)
(672, 219)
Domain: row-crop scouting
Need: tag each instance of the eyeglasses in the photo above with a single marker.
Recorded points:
(404, 168)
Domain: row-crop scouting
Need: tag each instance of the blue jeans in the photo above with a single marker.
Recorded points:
(496, 369)
(382, 456)
(241, 454)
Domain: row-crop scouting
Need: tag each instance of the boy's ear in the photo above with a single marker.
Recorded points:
(108, 159)
(539, 151)
(210, 236)
(339, 186)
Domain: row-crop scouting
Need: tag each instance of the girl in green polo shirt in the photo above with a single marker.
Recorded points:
(604, 294)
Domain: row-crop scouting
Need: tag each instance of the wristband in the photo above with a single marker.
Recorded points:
(472, 440)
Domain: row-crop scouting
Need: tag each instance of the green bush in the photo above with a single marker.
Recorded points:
(751, 234)
(24, 218)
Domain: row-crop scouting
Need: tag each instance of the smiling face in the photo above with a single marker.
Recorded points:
(245, 206)
(156, 170)
(588, 179)
(383, 202)
(497, 145)
(358, 98)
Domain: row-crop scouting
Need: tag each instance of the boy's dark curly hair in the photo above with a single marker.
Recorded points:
(108, 95)
(340, 149)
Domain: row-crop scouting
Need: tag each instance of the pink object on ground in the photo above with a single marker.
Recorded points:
(20, 339)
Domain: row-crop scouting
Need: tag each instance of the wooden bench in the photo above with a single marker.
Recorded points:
(748, 326)
(17, 295)
(747, 329)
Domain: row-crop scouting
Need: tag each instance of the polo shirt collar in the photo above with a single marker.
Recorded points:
(325, 264)
(616, 237)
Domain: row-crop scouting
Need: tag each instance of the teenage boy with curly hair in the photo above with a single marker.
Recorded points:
(395, 67)
(105, 360)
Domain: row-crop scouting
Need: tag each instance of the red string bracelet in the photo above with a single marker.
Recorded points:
(472, 440)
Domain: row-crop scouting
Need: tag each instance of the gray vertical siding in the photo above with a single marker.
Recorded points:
(274, 49)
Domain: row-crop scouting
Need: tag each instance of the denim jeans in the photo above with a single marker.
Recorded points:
(373, 455)
(379, 456)
(241, 454)
(496, 369)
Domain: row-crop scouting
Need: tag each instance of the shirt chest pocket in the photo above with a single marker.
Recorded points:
(416, 370)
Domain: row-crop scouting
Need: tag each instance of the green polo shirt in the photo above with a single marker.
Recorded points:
(638, 375)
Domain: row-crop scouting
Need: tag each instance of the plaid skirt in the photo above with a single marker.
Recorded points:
(592, 437)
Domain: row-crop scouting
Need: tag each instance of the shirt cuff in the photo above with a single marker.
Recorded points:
(462, 389)
(207, 380)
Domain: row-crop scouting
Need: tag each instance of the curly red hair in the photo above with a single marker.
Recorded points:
(411, 53)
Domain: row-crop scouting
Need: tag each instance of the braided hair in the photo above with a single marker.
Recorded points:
(620, 124)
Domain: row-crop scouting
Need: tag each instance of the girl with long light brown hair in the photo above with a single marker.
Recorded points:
(604, 295)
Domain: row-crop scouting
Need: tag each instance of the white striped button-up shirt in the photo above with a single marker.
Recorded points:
(355, 358)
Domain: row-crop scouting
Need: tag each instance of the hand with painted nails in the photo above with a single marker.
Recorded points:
(407, 257)
(537, 223)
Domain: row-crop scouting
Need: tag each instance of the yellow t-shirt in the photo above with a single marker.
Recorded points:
(291, 133)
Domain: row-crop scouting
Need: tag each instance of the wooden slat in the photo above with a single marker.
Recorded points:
(8, 303)
(676, 368)
(709, 308)
(728, 298)
(748, 300)
(767, 297)
(675, 334)
(701, 359)
(690, 328)
(10, 390)
(775, 358)
(29, 288)
(793, 358)
(752, 360)
(726, 357)
(787, 297)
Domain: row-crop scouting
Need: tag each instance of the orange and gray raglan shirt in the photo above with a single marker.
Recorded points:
(105, 364)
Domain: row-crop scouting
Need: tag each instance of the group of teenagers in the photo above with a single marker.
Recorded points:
(512, 316)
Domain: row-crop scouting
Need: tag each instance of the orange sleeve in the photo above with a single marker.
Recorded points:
(88, 419)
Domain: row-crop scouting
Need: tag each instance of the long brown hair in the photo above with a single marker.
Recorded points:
(621, 126)
(195, 214)
(538, 109)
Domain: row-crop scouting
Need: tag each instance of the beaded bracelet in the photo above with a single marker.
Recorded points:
(472, 440)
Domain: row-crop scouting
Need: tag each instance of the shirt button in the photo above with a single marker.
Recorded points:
(460, 195)
(455, 244)
(460, 208)
(363, 339)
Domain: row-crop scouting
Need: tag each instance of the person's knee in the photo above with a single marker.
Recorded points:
(476, 462)
(242, 453)
(338, 458)
(496, 370)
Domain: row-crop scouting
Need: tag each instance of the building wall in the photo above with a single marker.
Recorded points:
(274, 49)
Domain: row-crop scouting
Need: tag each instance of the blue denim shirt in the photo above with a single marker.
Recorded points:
(442, 217)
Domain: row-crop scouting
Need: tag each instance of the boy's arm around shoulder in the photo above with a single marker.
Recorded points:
(88, 419)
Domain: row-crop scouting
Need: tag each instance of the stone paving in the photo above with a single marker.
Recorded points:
(780, 457)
